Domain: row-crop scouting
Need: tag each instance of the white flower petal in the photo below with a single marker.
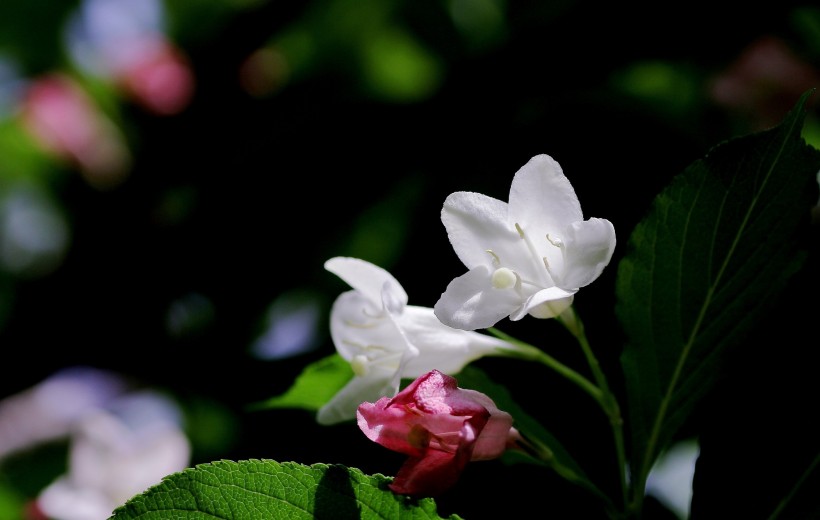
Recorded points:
(542, 200)
(547, 303)
(441, 347)
(357, 324)
(367, 278)
(476, 223)
(471, 302)
(588, 248)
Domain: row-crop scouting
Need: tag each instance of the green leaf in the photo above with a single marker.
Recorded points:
(12, 504)
(254, 489)
(314, 387)
(702, 268)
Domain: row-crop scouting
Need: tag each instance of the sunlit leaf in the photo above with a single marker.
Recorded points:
(315, 386)
(11, 503)
(254, 489)
(22, 159)
(713, 254)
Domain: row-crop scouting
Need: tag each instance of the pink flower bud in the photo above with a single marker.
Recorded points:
(440, 427)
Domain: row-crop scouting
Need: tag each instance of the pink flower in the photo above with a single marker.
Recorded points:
(66, 121)
(158, 76)
(440, 427)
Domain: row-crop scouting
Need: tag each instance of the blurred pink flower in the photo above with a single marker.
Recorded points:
(764, 82)
(440, 427)
(65, 121)
(125, 43)
(159, 78)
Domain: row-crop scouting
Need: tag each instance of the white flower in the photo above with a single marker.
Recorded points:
(527, 257)
(117, 453)
(385, 340)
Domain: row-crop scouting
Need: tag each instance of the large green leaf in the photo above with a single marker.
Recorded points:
(712, 254)
(254, 489)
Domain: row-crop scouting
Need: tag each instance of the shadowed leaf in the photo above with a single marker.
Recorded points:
(713, 254)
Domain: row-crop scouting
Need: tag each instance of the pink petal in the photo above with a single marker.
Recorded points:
(437, 471)
(440, 427)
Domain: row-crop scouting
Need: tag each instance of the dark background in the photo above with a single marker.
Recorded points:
(240, 198)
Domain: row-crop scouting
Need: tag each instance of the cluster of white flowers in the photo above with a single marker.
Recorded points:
(526, 257)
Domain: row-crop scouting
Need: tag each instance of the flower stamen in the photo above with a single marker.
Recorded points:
(504, 278)
(365, 325)
(557, 242)
(496, 260)
(360, 365)
(534, 254)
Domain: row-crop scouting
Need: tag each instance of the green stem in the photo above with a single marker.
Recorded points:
(531, 353)
(783, 503)
(601, 393)
(608, 402)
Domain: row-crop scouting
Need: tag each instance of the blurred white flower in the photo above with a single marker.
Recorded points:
(49, 410)
(34, 233)
(116, 453)
(670, 480)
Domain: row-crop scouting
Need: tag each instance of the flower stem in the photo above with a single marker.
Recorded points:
(783, 503)
(570, 319)
(529, 352)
